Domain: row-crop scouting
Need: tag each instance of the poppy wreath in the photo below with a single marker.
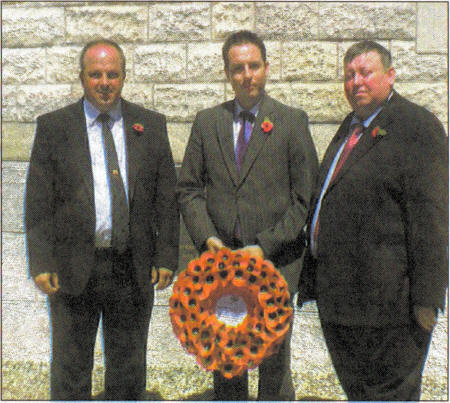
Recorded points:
(216, 345)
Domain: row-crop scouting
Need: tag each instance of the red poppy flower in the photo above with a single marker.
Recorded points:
(267, 126)
(378, 132)
(137, 127)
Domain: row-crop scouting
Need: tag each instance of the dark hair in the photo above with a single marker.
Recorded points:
(103, 41)
(240, 38)
(367, 46)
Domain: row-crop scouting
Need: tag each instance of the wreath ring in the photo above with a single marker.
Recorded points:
(216, 345)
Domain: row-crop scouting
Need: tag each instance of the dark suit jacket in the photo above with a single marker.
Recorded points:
(383, 234)
(270, 196)
(60, 211)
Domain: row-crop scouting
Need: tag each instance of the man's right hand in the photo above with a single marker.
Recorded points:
(48, 283)
(214, 244)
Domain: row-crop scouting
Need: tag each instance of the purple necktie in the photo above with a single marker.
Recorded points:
(244, 137)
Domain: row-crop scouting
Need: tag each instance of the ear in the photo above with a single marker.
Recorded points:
(391, 75)
(266, 67)
(81, 78)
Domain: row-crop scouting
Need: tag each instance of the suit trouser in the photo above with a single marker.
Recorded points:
(275, 380)
(378, 363)
(112, 293)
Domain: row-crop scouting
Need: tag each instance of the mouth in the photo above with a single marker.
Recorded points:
(104, 95)
(248, 88)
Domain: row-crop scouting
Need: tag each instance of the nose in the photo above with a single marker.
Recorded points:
(357, 79)
(247, 71)
(104, 80)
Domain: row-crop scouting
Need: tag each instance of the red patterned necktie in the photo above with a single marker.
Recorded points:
(349, 145)
(351, 142)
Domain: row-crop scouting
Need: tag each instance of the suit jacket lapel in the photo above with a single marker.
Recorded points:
(331, 152)
(225, 138)
(258, 137)
(129, 119)
(365, 143)
(78, 144)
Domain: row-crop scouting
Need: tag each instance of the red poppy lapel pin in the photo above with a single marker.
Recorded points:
(378, 132)
(138, 128)
(267, 125)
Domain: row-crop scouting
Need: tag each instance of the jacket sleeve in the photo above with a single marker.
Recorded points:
(166, 251)
(426, 210)
(303, 168)
(191, 189)
(40, 202)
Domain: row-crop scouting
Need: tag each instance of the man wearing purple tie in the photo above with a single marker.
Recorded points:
(377, 263)
(246, 182)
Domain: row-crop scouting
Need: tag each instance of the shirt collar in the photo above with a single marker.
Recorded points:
(366, 123)
(92, 112)
(238, 109)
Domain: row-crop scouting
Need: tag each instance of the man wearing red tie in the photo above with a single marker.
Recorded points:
(377, 262)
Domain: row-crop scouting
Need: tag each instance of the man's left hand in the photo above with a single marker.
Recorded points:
(254, 250)
(425, 316)
(161, 276)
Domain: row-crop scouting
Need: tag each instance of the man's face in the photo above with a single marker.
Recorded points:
(102, 77)
(366, 83)
(247, 73)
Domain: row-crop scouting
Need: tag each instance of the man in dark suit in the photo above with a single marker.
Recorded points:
(377, 263)
(102, 227)
(246, 181)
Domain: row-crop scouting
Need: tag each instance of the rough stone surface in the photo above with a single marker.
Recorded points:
(26, 27)
(17, 139)
(24, 103)
(228, 17)
(124, 23)
(178, 137)
(63, 64)
(324, 103)
(322, 135)
(309, 61)
(205, 62)
(23, 66)
(160, 63)
(141, 94)
(432, 96)
(280, 91)
(274, 55)
(432, 27)
(179, 21)
(13, 187)
(367, 20)
(287, 20)
(411, 66)
(182, 102)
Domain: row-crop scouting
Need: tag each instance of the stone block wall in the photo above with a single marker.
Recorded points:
(174, 66)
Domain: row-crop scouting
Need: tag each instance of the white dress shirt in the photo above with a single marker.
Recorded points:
(102, 194)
